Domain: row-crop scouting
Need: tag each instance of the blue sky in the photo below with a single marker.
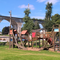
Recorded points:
(17, 7)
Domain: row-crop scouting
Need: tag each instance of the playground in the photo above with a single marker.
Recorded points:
(37, 40)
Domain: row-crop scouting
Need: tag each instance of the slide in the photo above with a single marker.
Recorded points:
(48, 38)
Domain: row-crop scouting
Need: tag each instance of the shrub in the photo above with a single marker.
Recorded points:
(2, 43)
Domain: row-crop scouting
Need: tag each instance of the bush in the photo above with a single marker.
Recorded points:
(2, 43)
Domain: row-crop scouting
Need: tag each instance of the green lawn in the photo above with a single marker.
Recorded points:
(16, 54)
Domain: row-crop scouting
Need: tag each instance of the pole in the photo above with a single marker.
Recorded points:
(10, 19)
(9, 31)
(28, 6)
(59, 37)
(53, 39)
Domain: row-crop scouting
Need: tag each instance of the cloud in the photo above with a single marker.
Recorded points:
(37, 17)
(50, 1)
(40, 0)
(26, 6)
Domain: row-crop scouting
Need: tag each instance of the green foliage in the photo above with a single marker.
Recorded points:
(29, 25)
(27, 12)
(56, 19)
(49, 11)
(2, 43)
(48, 25)
(3, 30)
(48, 22)
(36, 25)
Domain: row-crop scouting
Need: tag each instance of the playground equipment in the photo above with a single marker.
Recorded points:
(13, 35)
(36, 39)
(42, 39)
(56, 37)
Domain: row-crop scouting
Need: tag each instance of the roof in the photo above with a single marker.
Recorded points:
(24, 32)
(37, 30)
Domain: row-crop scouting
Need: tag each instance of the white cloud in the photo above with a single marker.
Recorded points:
(26, 6)
(50, 1)
(37, 17)
(40, 0)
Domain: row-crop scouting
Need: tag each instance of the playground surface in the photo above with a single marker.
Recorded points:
(7, 53)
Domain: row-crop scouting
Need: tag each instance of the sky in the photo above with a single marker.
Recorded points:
(37, 8)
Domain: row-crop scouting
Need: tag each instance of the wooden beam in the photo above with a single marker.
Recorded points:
(53, 39)
(39, 43)
(59, 37)
(36, 43)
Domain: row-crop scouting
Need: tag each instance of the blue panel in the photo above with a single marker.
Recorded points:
(56, 30)
(23, 39)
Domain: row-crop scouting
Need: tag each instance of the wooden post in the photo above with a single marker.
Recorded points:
(36, 43)
(9, 41)
(42, 42)
(9, 38)
(28, 40)
(12, 42)
(59, 37)
(47, 43)
(28, 43)
(17, 37)
(10, 19)
(32, 44)
(39, 43)
(9, 31)
(53, 38)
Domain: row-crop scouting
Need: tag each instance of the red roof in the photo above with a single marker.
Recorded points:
(24, 32)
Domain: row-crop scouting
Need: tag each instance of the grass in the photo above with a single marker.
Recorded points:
(5, 35)
(16, 54)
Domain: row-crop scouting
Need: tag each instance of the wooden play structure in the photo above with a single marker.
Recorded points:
(15, 39)
(42, 39)
(36, 40)
(56, 37)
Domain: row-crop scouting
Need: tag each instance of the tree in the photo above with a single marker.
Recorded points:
(5, 30)
(48, 22)
(48, 25)
(49, 11)
(36, 25)
(29, 25)
(56, 19)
